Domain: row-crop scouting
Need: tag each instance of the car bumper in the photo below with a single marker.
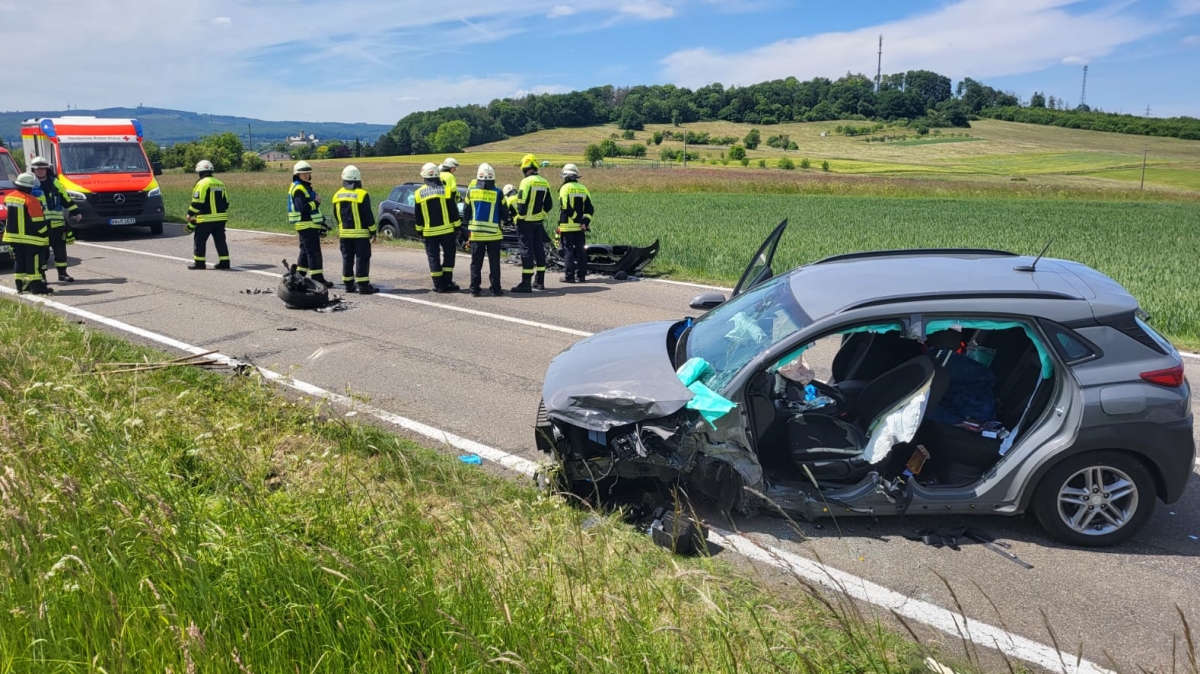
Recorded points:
(1174, 454)
(99, 214)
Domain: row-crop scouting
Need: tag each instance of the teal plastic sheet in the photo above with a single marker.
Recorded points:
(878, 328)
(710, 404)
(979, 324)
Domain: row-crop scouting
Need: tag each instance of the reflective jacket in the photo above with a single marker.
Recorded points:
(26, 222)
(574, 207)
(534, 199)
(55, 200)
(352, 209)
(210, 202)
(451, 184)
(436, 212)
(487, 209)
(303, 210)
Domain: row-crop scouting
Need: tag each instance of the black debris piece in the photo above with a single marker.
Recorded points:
(300, 292)
(952, 538)
(679, 533)
(286, 329)
(258, 291)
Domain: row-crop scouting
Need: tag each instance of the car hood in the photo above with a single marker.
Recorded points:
(615, 378)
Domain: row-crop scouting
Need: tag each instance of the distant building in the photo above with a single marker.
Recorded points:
(274, 155)
(303, 141)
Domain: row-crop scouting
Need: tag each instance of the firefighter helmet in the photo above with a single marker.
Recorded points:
(302, 167)
(509, 190)
(429, 170)
(352, 174)
(570, 171)
(38, 162)
(449, 163)
(486, 172)
(205, 166)
(528, 161)
(27, 180)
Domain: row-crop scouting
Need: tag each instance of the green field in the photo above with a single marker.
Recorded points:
(1149, 247)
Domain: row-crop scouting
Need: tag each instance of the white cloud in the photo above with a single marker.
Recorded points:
(648, 10)
(1192, 41)
(222, 20)
(1074, 61)
(1186, 7)
(977, 38)
(558, 11)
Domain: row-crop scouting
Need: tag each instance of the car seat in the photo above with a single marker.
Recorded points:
(863, 357)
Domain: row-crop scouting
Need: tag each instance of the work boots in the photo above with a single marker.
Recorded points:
(351, 287)
(523, 286)
(63, 276)
(20, 286)
(451, 286)
(224, 264)
(39, 287)
(319, 278)
(365, 288)
(539, 280)
(198, 265)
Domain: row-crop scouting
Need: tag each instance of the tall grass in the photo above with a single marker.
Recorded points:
(182, 521)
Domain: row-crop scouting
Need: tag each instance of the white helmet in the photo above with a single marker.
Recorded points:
(486, 172)
(429, 170)
(27, 180)
(352, 174)
(205, 166)
(38, 162)
(302, 167)
(449, 163)
(570, 171)
(509, 190)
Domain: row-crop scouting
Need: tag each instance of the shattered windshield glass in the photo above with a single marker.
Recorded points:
(734, 333)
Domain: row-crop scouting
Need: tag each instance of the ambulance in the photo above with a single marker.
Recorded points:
(103, 166)
(8, 172)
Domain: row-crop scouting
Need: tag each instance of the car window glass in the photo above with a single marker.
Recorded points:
(1162, 341)
(410, 198)
(396, 194)
(1072, 348)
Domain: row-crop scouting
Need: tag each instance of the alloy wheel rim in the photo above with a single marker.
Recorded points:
(1097, 500)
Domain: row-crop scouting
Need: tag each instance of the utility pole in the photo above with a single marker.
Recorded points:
(879, 64)
(250, 135)
(1144, 153)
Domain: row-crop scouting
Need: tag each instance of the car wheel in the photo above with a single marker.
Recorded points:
(1096, 499)
(388, 231)
(156, 228)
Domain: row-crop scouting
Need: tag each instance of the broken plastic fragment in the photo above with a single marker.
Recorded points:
(473, 459)
(710, 404)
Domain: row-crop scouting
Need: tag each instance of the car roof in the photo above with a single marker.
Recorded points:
(883, 278)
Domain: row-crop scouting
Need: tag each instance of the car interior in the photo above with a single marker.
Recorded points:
(983, 388)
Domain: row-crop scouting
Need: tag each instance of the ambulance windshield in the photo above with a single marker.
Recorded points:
(90, 157)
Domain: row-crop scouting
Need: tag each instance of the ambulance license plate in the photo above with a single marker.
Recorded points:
(122, 221)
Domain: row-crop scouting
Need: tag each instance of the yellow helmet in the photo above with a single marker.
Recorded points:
(528, 161)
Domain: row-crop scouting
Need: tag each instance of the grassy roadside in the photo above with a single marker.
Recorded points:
(186, 521)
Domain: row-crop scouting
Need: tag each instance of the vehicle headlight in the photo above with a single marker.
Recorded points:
(156, 192)
(76, 196)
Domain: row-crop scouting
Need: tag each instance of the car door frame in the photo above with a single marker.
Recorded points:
(769, 246)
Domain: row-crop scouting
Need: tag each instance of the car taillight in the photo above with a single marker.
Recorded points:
(1172, 378)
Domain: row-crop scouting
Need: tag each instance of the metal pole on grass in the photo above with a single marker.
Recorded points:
(1144, 153)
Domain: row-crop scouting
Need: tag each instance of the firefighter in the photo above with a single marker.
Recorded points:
(510, 198)
(487, 209)
(207, 216)
(26, 230)
(446, 172)
(304, 212)
(574, 219)
(357, 230)
(53, 196)
(438, 220)
(533, 204)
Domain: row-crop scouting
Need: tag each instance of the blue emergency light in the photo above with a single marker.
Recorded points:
(48, 128)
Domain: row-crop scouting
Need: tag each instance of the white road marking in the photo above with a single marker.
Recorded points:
(401, 298)
(861, 589)
(689, 285)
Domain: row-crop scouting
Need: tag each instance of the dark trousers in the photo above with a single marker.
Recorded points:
(480, 249)
(200, 241)
(440, 250)
(58, 246)
(27, 264)
(356, 260)
(310, 259)
(575, 254)
(531, 239)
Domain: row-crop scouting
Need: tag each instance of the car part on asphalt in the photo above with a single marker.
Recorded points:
(1018, 390)
(300, 292)
(679, 533)
(951, 538)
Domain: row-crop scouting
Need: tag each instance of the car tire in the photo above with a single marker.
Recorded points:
(1072, 515)
(156, 228)
(388, 230)
(313, 296)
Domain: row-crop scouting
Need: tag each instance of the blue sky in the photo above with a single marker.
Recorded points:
(376, 60)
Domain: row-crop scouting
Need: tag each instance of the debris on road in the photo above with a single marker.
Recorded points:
(258, 291)
(678, 533)
(286, 329)
(300, 292)
(336, 304)
(196, 360)
(473, 459)
(951, 538)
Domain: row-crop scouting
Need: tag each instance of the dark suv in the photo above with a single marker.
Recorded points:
(397, 214)
(964, 381)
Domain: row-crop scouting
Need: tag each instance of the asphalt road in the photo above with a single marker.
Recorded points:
(479, 376)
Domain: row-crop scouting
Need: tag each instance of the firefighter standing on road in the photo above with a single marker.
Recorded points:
(26, 230)
(207, 216)
(438, 220)
(446, 173)
(356, 229)
(487, 210)
(574, 219)
(54, 201)
(533, 204)
(304, 212)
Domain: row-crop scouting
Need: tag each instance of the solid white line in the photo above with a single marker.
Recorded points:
(690, 285)
(1189, 354)
(411, 300)
(858, 588)
(256, 231)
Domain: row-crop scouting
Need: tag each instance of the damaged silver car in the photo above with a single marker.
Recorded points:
(963, 381)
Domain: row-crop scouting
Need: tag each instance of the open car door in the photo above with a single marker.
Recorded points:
(759, 269)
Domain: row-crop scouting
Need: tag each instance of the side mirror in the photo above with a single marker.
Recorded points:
(157, 167)
(706, 301)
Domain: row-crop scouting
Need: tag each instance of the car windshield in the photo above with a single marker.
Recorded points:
(80, 158)
(734, 333)
(8, 168)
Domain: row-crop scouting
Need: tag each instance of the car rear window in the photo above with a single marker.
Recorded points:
(1159, 339)
(1071, 347)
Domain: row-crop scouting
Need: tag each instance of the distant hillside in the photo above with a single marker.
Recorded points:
(174, 126)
